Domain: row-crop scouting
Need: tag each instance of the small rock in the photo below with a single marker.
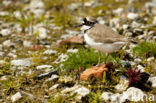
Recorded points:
(44, 75)
(66, 80)
(27, 44)
(22, 62)
(150, 59)
(74, 6)
(53, 78)
(141, 68)
(81, 92)
(17, 14)
(16, 97)
(44, 66)
(42, 33)
(7, 43)
(5, 32)
(114, 98)
(132, 16)
(137, 60)
(54, 87)
(134, 94)
(118, 11)
(61, 58)
(154, 20)
(123, 84)
(153, 81)
(72, 50)
(49, 52)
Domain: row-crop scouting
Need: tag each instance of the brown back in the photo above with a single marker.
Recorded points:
(104, 34)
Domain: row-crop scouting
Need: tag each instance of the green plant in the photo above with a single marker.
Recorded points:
(145, 49)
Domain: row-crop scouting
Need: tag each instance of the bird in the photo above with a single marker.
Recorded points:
(102, 38)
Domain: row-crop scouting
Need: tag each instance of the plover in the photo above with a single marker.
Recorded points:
(102, 38)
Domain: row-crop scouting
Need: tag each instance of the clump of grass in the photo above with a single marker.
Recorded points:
(145, 49)
(83, 58)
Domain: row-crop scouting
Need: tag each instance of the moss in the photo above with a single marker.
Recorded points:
(145, 49)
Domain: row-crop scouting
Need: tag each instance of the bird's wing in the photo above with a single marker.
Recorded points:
(104, 34)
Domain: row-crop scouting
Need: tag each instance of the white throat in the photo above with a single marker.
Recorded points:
(85, 27)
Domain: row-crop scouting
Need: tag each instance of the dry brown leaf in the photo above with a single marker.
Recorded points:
(73, 39)
(96, 72)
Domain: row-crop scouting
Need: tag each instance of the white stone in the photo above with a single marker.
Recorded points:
(42, 33)
(141, 68)
(12, 55)
(7, 43)
(72, 50)
(4, 13)
(5, 32)
(53, 77)
(49, 52)
(1, 53)
(135, 24)
(22, 62)
(54, 87)
(153, 81)
(81, 92)
(68, 90)
(106, 96)
(74, 6)
(2, 62)
(125, 26)
(3, 78)
(132, 16)
(114, 98)
(137, 60)
(123, 84)
(27, 43)
(150, 59)
(118, 11)
(16, 97)
(134, 94)
(17, 14)
(61, 58)
(154, 20)
(44, 67)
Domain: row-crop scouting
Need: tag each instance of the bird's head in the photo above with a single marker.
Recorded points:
(88, 23)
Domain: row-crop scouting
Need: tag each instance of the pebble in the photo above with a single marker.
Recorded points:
(5, 32)
(44, 67)
(153, 81)
(154, 20)
(134, 94)
(54, 87)
(82, 92)
(16, 97)
(49, 52)
(141, 68)
(137, 60)
(123, 84)
(114, 98)
(27, 43)
(42, 33)
(53, 78)
(118, 11)
(22, 62)
(132, 16)
(150, 59)
(72, 50)
(61, 58)
(7, 43)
